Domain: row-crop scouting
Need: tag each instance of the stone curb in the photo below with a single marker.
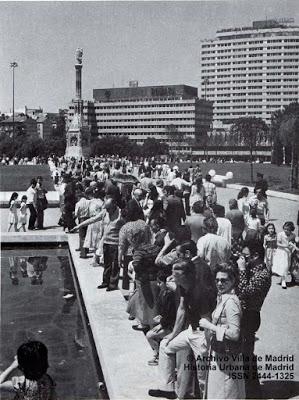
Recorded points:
(271, 193)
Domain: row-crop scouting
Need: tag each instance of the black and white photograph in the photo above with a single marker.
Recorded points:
(149, 200)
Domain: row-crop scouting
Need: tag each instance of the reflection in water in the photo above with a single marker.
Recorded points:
(50, 312)
(30, 267)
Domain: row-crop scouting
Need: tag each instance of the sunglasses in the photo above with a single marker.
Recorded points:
(221, 280)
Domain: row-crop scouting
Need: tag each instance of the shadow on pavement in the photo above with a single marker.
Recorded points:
(280, 389)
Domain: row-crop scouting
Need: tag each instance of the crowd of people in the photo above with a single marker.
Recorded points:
(200, 274)
(35, 201)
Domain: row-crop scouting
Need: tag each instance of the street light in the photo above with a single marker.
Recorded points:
(13, 65)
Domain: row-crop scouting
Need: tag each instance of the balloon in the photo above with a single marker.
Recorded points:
(229, 175)
(212, 172)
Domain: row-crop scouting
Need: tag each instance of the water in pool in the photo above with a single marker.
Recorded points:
(39, 302)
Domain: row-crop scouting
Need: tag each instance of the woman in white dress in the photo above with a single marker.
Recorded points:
(13, 212)
(23, 213)
(285, 247)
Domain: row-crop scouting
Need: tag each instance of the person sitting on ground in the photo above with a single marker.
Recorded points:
(166, 308)
(32, 360)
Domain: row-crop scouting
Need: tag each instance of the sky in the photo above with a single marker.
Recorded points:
(156, 43)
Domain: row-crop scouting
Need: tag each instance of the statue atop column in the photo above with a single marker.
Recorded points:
(79, 54)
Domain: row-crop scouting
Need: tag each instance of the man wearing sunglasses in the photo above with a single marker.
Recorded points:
(254, 284)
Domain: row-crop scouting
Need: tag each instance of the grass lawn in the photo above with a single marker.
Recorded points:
(277, 177)
(15, 178)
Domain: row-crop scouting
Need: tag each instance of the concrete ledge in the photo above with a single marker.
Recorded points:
(33, 237)
(271, 193)
(123, 352)
(52, 197)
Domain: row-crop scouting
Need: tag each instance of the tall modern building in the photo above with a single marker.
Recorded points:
(149, 111)
(251, 71)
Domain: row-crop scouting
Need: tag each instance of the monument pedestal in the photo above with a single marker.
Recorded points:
(77, 139)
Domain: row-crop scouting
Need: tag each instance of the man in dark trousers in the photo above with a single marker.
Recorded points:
(174, 209)
(31, 202)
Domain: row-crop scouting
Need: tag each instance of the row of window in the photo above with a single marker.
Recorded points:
(177, 105)
(290, 100)
(215, 56)
(145, 120)
(108, 127)
(144, 113)
(249, 43)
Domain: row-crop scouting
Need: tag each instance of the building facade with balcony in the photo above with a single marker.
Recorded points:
(159, 112)
(251, 71)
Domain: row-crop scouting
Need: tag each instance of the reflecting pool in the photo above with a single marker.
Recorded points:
(40, 300)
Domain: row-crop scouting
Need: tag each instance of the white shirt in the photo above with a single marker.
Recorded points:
(224, 229)
(30, 193)
(213, 249)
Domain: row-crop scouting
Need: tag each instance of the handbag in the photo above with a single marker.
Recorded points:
(226, 346)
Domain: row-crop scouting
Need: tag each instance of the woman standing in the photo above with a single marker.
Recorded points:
(243, 204)
(270, 245)
(142, 304)
(13, 212)
(197, 192)
(225, 344)
(94, 231)
(285, 247)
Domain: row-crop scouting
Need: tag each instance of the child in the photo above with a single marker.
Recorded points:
(23, 213)
(13, 212)
(282, 257)
(253, 225)
(270, 245)
(32, 360)
(165, 320)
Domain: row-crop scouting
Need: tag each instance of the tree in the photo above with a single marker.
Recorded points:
(55, 145)
(30, 147)
(217, 139)
(288, 134)
(152, 147)
(250, 131)
(110, 145)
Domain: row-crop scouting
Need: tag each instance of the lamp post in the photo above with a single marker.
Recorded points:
(13, 65)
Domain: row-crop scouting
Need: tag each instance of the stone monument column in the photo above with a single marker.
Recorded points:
(78, 68)
(78, 134)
